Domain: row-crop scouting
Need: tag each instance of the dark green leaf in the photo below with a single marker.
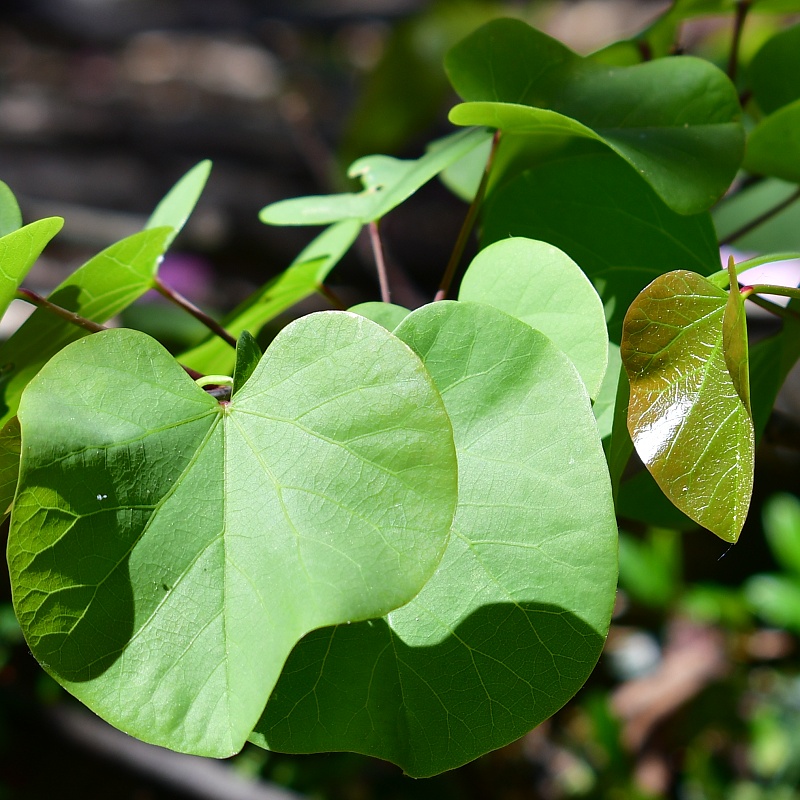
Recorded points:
(676, 120)
(773, 146)
(18, 252)
(514, 618)
(170, 550)
(687, 422)
(300, 280)
(248, 354)
(596, 209)
(774, 68)
(9, 464)
(387, 183)
(541, 285)
(101, 288)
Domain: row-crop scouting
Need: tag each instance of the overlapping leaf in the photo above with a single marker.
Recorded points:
(302, 278)
(170, 549)
(686, 418)
(9, 464)
(773, 70)
(594, 207)
(387, 183)
(387, 314)
(773, 146)
(102, 287)
(18, 252)
(541, 285)
(675, 120)
(513, 620)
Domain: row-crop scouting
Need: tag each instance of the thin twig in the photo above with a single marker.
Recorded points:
(59, 311)
(754, 223)
(742, 7)
(466, 227)
(380, 263)
(331, 297)
(773, 308)
(191, 308)
(769, 288)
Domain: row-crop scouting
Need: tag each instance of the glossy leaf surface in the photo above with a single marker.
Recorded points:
(101, 288)
(248, 354)
(387, 183)
(675, 120)
(686, 419)
(18, 252)
(596, 209)
(773, 147)
(513, 620)
(300, 280)
(171, 549)
(541, 285)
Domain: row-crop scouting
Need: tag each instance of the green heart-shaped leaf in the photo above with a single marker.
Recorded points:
(18, 252)
(596, 209)
(686, 419)
(541, 285)
(387, 183)
(773, 146)
(514, 619)
(674, 119)
(171, 549)
(101, 288)
(302, 278)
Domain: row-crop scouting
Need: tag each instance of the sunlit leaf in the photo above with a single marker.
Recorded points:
(513, 620)
(387, 183)
(674, 119)
(686, 420)
(101, 288)
(541, 285)
(10, 216)
(18, 252)
(171, 549)
(302, 278)
(179, 202)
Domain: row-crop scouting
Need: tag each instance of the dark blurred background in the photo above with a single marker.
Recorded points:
(103, 105)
